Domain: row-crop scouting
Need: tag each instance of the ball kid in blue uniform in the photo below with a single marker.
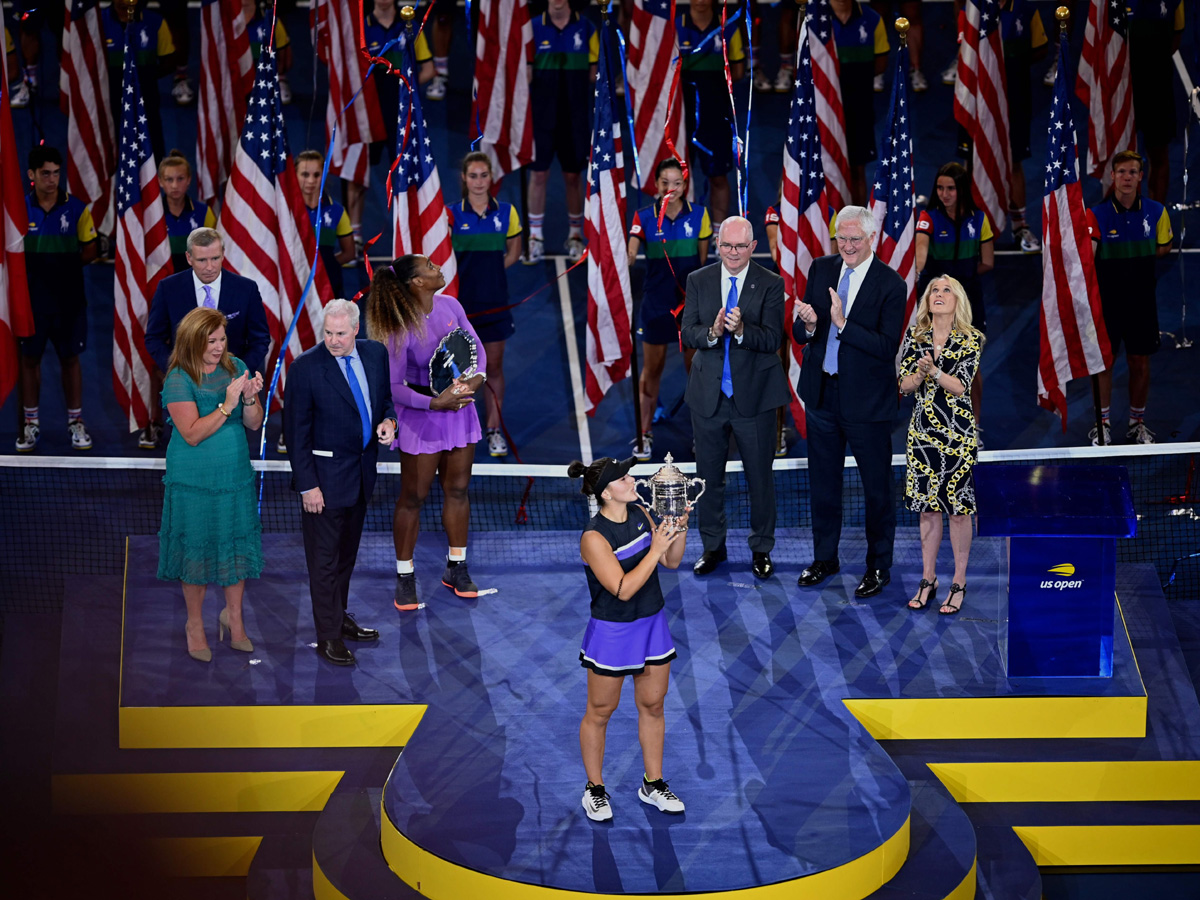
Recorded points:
(183, 215)
(486, 236)
(673, 251)
(154, 50)
(336, 243)
(862, 49)
(258, 29)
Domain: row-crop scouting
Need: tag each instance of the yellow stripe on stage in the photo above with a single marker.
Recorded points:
(323, 888)
(439, 879)
(966, 888)
(1071, 782)
(1112, 845)
(978, 718)
(207, 857)
(216, 727)
(192, 792)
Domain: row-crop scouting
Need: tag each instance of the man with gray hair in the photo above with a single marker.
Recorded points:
(733, 317)
(206, 284)
(339, 412)
(850, 324)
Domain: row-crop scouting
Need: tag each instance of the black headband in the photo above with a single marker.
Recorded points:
(613, 470)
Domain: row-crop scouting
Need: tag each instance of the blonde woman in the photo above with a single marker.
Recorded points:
(940, 358)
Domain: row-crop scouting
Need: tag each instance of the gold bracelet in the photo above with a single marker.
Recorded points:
(221, 409)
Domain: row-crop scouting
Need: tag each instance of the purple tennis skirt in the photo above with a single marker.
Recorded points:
(626, 648)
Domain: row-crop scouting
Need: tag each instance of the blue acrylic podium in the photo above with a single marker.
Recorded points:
(1062, 523)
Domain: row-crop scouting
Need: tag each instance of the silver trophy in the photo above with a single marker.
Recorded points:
(669, 491)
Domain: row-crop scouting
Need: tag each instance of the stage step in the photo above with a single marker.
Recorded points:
(1005, 869)
(282, 868)
(346, 858)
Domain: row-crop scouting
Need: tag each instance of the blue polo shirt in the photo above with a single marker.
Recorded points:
(678, 241)
(480, 242)
(1128, 245)
(194, 215)
(53, 242)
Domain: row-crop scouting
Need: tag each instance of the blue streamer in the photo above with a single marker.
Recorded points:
(745, 179)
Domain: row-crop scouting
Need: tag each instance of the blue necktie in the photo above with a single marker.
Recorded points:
(831, 340)
(360, 400)
(209, 302)
(726, 372)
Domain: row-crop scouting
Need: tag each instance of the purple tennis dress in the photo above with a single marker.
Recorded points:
(420, 429)
(624, 636)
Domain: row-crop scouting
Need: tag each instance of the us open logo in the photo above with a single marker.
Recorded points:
(1066, 582)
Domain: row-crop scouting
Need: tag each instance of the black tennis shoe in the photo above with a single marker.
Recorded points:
(458, 579)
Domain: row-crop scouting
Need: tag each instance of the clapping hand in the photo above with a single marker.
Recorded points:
(835, 309)
(733, 321)
(233, 393)
(925, 366)
(253, 386)
(718, 325)
(806, 314)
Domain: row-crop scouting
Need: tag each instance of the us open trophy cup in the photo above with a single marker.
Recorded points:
(669, 491)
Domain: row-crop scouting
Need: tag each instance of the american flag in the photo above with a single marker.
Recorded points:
(831, 117)
(652, 47)
(501, 110)
(143, 251)
(981, 107)
(268, 236)
(16, 316)
(1104, 86)
(1074, 340)
(892, 197)
(418, 210)
(803, 206)
(83, 95)
(610, 299)
(226, 76)
(339, 37)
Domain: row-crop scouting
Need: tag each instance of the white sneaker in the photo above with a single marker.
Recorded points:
(782, 448)
(497, 446)
(656, 793)
(574, 248)
(1051, 74)
(1025, 237)
(647, 442)
(920, 84)
(80, 439)
(1138, 433)
(28, 438)
(281, 445)
(595, 803)
(1107, 436)
(31, 77)
(183, 93)
(536, 252)
(436, 89)
(785, 80)
(877, 84)
(950, 73)
(148, 439)
(285, 91)
(19, 98)
(762, 83)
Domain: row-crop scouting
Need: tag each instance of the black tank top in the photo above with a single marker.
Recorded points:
(630, 541)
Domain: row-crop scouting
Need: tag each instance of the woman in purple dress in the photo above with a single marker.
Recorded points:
(435, 433)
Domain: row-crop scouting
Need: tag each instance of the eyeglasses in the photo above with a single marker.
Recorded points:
(852, 241)
(734, 248)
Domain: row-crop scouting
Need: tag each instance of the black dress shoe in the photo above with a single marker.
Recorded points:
(872, 583)
(763, 567)
(818, 572)
(335, 652)
(709, 560)
(352, 631)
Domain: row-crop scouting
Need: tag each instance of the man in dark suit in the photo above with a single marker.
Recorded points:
(850, 322)
(733, 318)
(339, 412)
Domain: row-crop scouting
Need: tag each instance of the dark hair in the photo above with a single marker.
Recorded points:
(962, 183)
(42, 154)
(1127, 156)
(392, 307)
(590, 475)
(669, 163)
(475, 156)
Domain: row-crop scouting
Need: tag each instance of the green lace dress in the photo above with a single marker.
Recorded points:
(210, 528)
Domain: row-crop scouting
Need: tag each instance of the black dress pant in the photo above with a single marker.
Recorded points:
(331, 540)
(871, 446)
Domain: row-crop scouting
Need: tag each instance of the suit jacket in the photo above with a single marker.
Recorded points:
(322, 426)
(868, 345)
(758, 380)
(245, 326)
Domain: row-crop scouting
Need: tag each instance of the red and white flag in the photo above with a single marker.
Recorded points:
(831, 117)
(16, 316)
(143, 253)
(339, 37)
(268, 235)
(981, 107)
(1074, 339)
(83, 96)
(501, 110)
(609, 342)
(652, 48)
(226, 76)
(1105, 87)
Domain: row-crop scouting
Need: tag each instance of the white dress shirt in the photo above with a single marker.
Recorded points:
(215, 287)
(740, 278)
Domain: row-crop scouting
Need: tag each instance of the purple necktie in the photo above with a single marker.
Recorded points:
(209, 302)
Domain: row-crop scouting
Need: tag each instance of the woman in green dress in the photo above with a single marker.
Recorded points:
(210, 527)
(939, 360)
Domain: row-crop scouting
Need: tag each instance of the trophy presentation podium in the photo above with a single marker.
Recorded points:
(1062, 523)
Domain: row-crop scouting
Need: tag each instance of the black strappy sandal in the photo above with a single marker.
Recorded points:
(931, 586)
(948, 608)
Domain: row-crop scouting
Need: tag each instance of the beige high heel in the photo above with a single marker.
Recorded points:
(223, 625)
(204, 655)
